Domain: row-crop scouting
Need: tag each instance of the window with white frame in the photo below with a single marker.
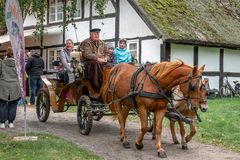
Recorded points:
(78, 9)
(53, 55)
(55, 10)
(132, 46)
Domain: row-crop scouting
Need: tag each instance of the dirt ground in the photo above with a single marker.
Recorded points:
(104, 139)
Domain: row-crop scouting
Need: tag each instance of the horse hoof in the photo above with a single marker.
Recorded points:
(126, 145)
(121, 139)
(184, 147)
(176, 142)
(162, 154)
(139, 146)
(153, 137)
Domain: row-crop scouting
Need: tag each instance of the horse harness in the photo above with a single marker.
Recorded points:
(161, 94)
(137, 90)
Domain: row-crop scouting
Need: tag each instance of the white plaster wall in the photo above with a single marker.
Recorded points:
(44, 57)
(231, 60)
(30, 20)
(151, 50)
(109, 9)
(209, 57)
(78, 34)
(82, 31)
(213, 81)
(107, 27)
(86, 9)
(183, 52)
(131, 25)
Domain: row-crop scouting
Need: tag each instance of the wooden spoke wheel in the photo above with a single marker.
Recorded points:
(43, 105)
(84, 115)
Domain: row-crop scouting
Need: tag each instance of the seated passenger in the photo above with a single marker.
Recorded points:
(121, 53)
(65, 60)
(94, 54)
(111, 53)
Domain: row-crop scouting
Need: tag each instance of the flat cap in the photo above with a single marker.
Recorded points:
(95, 30)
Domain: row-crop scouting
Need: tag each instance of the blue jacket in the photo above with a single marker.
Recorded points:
(122, 55)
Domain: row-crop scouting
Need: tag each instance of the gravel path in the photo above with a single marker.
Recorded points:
(104, 139)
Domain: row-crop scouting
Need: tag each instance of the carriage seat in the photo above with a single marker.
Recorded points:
(60, 75)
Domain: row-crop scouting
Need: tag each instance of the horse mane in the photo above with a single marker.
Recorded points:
(160, 70)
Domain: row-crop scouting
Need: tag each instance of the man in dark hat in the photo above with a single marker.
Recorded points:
(94, 53)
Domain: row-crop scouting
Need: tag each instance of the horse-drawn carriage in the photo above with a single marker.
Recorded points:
(59, 96)
(124, 85)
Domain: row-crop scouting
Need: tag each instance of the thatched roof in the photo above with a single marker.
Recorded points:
(210, 21)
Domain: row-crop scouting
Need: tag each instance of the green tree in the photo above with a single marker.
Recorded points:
(39, 7)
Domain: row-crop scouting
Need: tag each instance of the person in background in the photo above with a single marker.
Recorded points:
(28, 55)
(65, 60)
(34, 69)
(94, 55)
(121, 53)
(10, 91)
(111, 53)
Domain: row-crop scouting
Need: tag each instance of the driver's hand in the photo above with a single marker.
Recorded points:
(102, 60)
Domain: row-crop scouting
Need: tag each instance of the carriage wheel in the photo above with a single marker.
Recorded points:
(43, 105)
(84, 115)
(150, 117)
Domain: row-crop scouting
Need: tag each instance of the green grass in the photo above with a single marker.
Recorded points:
(220, 124)
(47, 147)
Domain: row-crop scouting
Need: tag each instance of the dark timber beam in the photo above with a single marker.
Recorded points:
(221, 74)
(140, 50)
(114, 4)
(195, 55)
(117, 22)
(91, 15)
(165, 51)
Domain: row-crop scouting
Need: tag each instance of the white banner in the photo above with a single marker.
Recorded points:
(13, 18)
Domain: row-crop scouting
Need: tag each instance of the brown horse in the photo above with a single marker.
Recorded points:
(186, 110)
(154, 83)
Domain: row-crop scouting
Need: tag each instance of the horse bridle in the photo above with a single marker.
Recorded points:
(187, 98)
(190, 88)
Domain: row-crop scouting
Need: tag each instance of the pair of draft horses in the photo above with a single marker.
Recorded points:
(149, 90)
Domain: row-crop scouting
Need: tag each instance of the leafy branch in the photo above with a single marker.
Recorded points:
(38, 8)
(100, 6)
